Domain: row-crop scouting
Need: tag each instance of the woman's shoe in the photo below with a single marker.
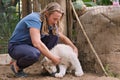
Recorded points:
(20, 73)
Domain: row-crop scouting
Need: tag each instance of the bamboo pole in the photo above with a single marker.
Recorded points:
(91, 46)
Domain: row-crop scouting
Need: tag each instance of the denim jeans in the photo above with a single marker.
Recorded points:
(26, 54)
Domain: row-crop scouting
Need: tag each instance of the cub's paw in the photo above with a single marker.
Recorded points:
(59, 75)
(79, 73)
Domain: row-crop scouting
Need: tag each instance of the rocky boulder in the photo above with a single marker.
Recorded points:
(102, 25)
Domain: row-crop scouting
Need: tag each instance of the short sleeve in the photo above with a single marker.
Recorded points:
(33, 23)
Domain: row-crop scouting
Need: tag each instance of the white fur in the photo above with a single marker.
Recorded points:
(68, 60)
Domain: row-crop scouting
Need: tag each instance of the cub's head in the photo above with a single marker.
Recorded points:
(48, 65)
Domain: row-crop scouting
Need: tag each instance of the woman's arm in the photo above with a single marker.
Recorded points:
(67, 41)
(36, 41)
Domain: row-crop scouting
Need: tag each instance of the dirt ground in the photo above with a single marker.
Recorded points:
(34, 73)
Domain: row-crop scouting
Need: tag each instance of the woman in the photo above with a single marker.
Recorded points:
(35, 34)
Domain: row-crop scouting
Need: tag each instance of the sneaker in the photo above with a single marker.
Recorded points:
(20, 73)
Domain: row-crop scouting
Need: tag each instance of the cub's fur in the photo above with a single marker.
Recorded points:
(68, 60)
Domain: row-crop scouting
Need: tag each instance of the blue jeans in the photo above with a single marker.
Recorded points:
(26, 54)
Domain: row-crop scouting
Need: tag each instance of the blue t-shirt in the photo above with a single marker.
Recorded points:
(21, 33)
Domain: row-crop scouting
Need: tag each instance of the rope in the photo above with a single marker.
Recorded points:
(91, 46)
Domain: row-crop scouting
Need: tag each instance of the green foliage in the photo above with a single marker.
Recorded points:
(6, 2)
(110, 73)
(104, 2)
(9, 19)
(80, 3)
(98, 2)
(90, 4)
(87, 0)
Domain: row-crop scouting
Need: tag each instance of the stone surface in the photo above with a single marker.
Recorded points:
(5, 59)
(102, 25)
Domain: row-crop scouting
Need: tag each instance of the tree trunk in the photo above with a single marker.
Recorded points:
(69, 19)
(26, 7)
(36, 6)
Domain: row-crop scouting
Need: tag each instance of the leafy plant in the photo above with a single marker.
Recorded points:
(9, 19)
(79, 3)
(110, 73)
(104, 2)
(90, 4)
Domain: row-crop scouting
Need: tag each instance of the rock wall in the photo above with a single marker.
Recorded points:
(102, 25)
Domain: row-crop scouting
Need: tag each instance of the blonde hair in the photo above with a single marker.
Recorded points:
(50, 8)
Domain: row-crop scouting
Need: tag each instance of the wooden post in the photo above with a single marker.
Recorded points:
(69, 19)
(36, 6)
(26, 7)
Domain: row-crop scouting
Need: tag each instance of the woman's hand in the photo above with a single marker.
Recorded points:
(56, 60)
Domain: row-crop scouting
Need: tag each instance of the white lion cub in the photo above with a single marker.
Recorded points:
(68, 60)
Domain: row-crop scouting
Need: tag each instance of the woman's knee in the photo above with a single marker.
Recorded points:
(34, 56)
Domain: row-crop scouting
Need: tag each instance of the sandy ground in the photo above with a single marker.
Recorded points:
(34, 73)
